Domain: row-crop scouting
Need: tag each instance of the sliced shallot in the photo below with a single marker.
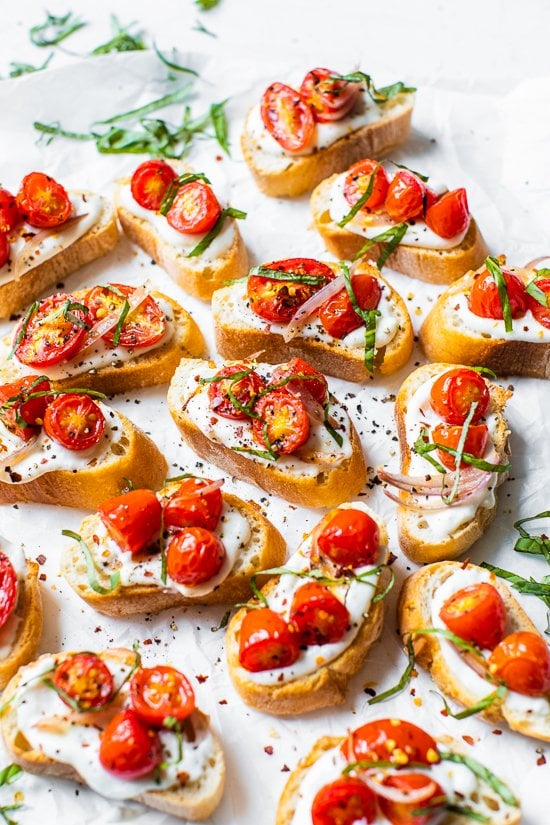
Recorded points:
(536, 261)
(312, 303)
(394, 795)
(112, 318)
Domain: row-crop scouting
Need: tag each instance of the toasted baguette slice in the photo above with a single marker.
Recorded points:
(134, 456)
(487, 803)
(446, 336)
(236, 338)
(264, 549)
(29, 630)
(195, 800)
(438, 266)
(304, 172)
(328, 486)
(412, 529)
(415, 612)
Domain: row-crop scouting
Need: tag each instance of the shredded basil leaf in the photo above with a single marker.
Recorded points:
(367, 316)
(459, 453)
(228, 212)
(328, 426)
(497, 785)
(403, 681)
(382, 95)
(484, 703)
(484, 371)
(32, 310)
(362, 200)
(423, 178)
(179, 478)
(19, 69)
(536, 545)
(166, 100)
(423, 447)
(174, 187)
(219, 122)
(529, 587)
(294, 277)
(55, 29)
(90, 566)
(171, 65)
(10, 773)
(206, 5)
(495, 270)
(223, 623)
(390, 238)
(383, 593)
(120, 323)
(198, 27)
(122, 40)
(536, 292)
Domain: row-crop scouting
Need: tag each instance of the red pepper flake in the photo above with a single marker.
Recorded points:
(222, 702)
(201, 679)
(269, 750)
(42, 577)
(285, 769)
(469, 740)
(541, 760)
(41, 559)
(465, 563)
(497, 732)
(147, 641)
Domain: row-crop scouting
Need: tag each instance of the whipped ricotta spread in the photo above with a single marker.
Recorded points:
(526, 328)
(9, 630)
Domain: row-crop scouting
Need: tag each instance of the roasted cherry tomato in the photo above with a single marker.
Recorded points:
(142, 327)
(4, 249)
(350, 538)
(405, 197)
(43, 202)
(194, 555)
(402, 813)
(357, 182)
(338, 316)
(541, 313)
(129, 748)
(9, 588)
(484, 299)
(449, 436)
(150, 182)
(287, 117)
(160, 692)
(455, 391)
(244, 389)
(328, 97)
(312, 381)
(477, 614)
(49, 336)
(344, 802)
(9, 211)
(189, 507)
(522, 662)
(132, 520)
(266, 641)
(449, 215)
(318, 615)
(277, 301)
(195, 209)
(19, 406)
(391, 739)
(74, 421)
(86, 679)
(283, 422)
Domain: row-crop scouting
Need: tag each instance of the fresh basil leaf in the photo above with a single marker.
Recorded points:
(171, 65)
(469, 813)
(19, 69)
(122, 40)
(497, 785)
(294, 277)
(32, 310)
(166, 100)
(390, 238)
(383, 593)
(10, 773)
(367, 316)
(55, 130)
(174, 187)
(362, 200)
(120, 323)
(423, 178)
(536, 292)
(90, 567)
(219, 122)
(389, 92)
(269, 456)
(329, 428)
(529, 587)
(480, 706)
(423, 448)
(55, 29)
(536, 545)
(484, 371)
(382, 95)
(229, 212)
(459, 453)
(495, 270)
(206, 5)
(403, 681)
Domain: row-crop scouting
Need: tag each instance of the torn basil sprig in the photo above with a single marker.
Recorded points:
(114, 582)
(529, 587)
(382, 95)
(170, 63)
(390, 240)
(55, 29)
(459, 453)
(19, 69)
(527, 543)
(494, 268)
(423, 446)
(219, 122)
(8, 775)
(368, 316)
(480, 706)
(423, 178)
(362, 200)
(228, 212)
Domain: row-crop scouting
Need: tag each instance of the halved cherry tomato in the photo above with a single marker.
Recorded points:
(194, 555)
(188, 507)
(338, 316)
(313, 383)
(132, 520)
(318, 615)
(51, 337)
(9, 211)
(449, 215)
(328, 97)
(159, 692)
(391, 739)
(43, 202)
(142, 327)
(405, 197)
(244, 389)
(287, 117)
(350, 538)
(358, 179)
(150, 182)
(455, 391)
(476, 441)
(129, 748)
(4, 249)
(477, 614)
(541, 313)
(86, 679)
(20, 406)
(430, 197)
(484, 299)
(74, 421)
(401, 813)
(277, 301)
(344, 802)
(195, 209)
(522, 662)
(266, 641)
(9, 588)
(283, 422)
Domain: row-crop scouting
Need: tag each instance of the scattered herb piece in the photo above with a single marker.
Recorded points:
(206, 5)
(170, 63)
(90, 566)
(362, 200)
(18, 69)
(32, 310)
(367, 316)
(390, 238)
(55, 29)
(423, 178)
(166, 100)
(219, 122)
(294, 277)
(495, 270)
(483, 773)
(536, 545)
(484, 703)
(382, 95)
(403, 681)
(228, 212)
(199, 27)
(122, 40)
(223, 623)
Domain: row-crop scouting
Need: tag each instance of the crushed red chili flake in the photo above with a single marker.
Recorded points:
(147, 641)
(222, 702)
(200, 678)
(541, 760)
(497, 732)
(469, 740)
(41, 559)
(42, 577)
(269, 750)
(285, 769)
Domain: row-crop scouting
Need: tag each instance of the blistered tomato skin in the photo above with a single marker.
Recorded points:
(74, 421)
(477, 614)
(282, 425)
(144, 326)
(450, 215)
(350, 538)
(129, 748)
(43, 202)
(338, 316)
(345, 801)
(21, 414)
(312, 382)
(540, 312)
(132, 520)
(9, 588)
(266, 641)
(49, 336)
(403, 813)
(194, 555)
(395, 740)
(150, 182)
(85, 679)
(287, 117)
(159, 693)
(278, 300)
(189, 507)
(357, 180)
(449, 436)
(484, 299)
(328, 97)
(522, 662)
(244, 390)
(195, 209)
(318, 615)
(405, 197)
(9, 212)
(454, 392)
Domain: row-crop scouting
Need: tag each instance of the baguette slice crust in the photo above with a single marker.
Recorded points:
(266, 548)
(443, 339)
(96, 242)
(29, 632)
(411, 540)
(414, 612)
(437, 266)
(327, 488)
(195, 801)
(236, 340)
(134, 456)
(303, 173)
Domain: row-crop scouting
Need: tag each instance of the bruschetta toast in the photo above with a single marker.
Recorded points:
(277, 427)
(346, 322)
(494, 650)
(125, 730)
(20, 611)
(173, 214)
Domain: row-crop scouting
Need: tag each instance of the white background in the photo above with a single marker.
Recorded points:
(484, 94)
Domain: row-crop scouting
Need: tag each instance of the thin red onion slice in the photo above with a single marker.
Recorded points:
(19, 453)
(419, 485)
(314, 302)
(111, 320)
(536, 261)
(203, 491)
(394, 795)
(34, 243)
